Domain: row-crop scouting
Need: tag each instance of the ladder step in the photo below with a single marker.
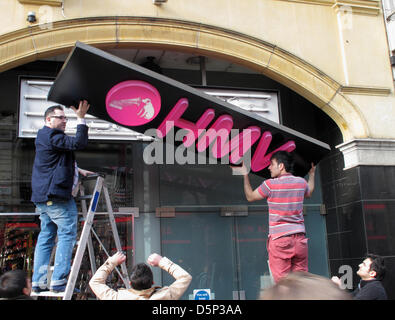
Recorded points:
(87, 197)
(47, 294)
(91, 176)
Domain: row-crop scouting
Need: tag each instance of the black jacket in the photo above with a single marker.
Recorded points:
(54, 163)
(370, 290)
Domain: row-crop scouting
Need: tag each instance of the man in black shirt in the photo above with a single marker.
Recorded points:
(371, 271)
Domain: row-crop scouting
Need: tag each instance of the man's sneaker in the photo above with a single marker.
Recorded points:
(62, 288)
(39, 289)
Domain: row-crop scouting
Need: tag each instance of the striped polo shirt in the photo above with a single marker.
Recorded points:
(285, 196)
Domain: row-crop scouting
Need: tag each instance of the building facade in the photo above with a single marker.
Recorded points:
(327, 62)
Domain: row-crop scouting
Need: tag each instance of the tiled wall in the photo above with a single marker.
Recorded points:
(360, 204)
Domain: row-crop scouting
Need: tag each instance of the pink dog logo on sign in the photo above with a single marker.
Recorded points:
(133, 102)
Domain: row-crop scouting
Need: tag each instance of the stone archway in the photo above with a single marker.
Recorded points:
(29, 44)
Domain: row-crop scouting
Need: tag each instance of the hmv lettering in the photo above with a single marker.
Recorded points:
(134, 103)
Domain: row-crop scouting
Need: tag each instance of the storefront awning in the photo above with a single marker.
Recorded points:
(134, 97)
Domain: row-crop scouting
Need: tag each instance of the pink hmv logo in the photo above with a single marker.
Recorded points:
(133, 103)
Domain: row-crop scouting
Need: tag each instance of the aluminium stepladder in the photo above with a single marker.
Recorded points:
(86, 241)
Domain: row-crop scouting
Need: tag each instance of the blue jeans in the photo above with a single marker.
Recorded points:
(57, 218)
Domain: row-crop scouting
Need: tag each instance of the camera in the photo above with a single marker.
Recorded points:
(31, 17)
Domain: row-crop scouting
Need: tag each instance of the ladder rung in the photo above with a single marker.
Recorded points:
(47, 294)
(91, 176)
(87, 197)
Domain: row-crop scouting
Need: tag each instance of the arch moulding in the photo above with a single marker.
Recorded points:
(40, 41)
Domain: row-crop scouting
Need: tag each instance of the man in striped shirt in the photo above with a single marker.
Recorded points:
(285, 193)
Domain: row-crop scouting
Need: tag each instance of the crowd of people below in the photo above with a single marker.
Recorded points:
(298, 285)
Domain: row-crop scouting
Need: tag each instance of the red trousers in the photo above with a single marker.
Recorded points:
(287, 254)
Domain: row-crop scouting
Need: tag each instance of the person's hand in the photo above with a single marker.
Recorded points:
(117, 258)
(336, 280)
(239, 170)
(85, 172)
(82, 109)
(154, 259)
(312, 170)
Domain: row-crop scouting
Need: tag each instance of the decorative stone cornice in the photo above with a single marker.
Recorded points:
(314, 2)
(368, 152)
(371, 91)
(55, 3)
(365, 7)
